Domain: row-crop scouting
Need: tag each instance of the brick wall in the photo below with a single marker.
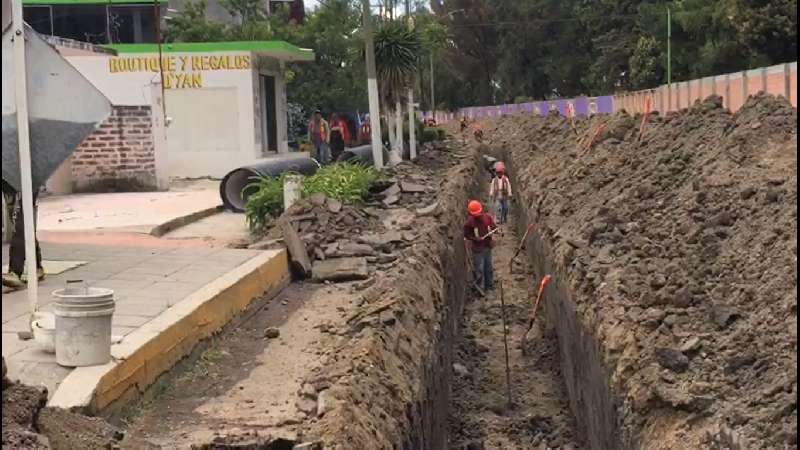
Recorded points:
(119, 155)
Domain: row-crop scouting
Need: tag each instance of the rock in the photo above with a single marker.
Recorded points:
(412, 188)
(672, 359)
(429, 210)
(306, 405)
(388, 318)
(381, 240)
(334, 205)
(657, 281)
(691, 345)
(272, 333)
(460, 370)
(296, 247)
(308, 446)
(747, 193)
(325, 402)
(723, 219)
(340, 269)
(353, 249)
(392, 191)
(317, 199)
(307, 390)
(391, 200)
(736, 362)
(723, 316)
(319, 254)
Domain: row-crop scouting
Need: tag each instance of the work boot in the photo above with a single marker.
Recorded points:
(39, 275)
(13, 280)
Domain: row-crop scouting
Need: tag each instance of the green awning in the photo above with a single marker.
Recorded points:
(275, 49)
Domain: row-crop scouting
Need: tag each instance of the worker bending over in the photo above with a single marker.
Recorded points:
(500, 192)
(478, 230)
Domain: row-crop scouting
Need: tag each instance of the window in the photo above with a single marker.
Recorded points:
(40, 18)
(86, 23)
(131, 24)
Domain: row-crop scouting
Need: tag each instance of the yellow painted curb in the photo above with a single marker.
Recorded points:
(154, 348)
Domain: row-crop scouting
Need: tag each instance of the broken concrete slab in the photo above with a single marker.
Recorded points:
(334, 205)
(428, 210)
(317, 199)
(412, 188)
(381, 240)
(340, 269)
(391, 200)
(391, 191)
(296, 247)
(354, 249)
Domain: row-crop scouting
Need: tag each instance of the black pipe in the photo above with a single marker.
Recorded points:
(361, 154)
(233, 190)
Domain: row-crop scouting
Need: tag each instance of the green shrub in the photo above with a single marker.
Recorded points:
(265, 202)
(429, 135)
(347, 182)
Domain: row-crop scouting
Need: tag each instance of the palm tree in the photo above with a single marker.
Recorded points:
(398, 52)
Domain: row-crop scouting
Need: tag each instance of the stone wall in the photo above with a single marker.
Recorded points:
(119, 155)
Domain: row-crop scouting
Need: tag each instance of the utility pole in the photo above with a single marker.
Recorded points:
(669, 47)
(433, 92)
(372, 89)
(24, 143)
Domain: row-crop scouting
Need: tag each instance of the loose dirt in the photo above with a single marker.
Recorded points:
(480, 417)
(679, 251)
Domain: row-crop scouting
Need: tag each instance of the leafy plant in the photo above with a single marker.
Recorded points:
(398, 51)
(264, 202)
(347, 182)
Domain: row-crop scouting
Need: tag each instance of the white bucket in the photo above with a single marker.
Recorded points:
(44, 331)
(292, 186)
(83, 325)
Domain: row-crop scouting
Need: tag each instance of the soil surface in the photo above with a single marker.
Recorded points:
(679, 248)
(539, 416)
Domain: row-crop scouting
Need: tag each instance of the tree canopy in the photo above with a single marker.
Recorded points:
(492, 51)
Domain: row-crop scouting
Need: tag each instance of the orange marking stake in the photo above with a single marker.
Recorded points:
(542, 286)
(648, 107)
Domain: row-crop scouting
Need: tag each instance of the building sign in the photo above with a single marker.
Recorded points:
(180, 72)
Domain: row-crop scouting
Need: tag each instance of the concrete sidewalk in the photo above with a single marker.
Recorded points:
(168, 297)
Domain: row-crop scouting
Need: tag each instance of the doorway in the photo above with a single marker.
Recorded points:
(269, 125)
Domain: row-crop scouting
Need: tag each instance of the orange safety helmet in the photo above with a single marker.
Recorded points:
(474, 208)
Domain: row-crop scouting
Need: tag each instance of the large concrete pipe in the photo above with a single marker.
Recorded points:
(233, 190)
(361, 154)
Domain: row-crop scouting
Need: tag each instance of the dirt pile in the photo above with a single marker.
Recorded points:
(28, 424)
(352, 242)
(676, 252)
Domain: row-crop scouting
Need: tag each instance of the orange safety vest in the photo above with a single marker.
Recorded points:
(322, 133)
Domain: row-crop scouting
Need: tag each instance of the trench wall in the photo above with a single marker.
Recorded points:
(592, 400)
(402, 374)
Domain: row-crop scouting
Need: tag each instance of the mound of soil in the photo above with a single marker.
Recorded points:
(28, 424)
(679, 248)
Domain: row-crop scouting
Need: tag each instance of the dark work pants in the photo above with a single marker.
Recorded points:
(484, 274)
(16, 251)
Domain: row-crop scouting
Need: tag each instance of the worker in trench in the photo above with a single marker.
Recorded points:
(500, 192)
(478, 231)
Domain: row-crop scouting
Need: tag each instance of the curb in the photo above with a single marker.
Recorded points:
(166, 227)
(156, 347)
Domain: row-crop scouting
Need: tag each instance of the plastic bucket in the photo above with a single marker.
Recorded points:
(83, 324)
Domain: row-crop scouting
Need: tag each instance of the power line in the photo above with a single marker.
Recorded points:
(534, 21)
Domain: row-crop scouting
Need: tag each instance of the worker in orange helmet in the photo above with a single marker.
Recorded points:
(478, 133)
(478, 230)
(500, 192)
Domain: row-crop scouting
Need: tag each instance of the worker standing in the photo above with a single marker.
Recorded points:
(478, 230)
(500, 192)
(319, 135)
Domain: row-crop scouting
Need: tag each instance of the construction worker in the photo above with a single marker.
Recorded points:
(478, 133)
(16, 252)
(463, 123)
(478, 230)
(319, 133)
(500, 192)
